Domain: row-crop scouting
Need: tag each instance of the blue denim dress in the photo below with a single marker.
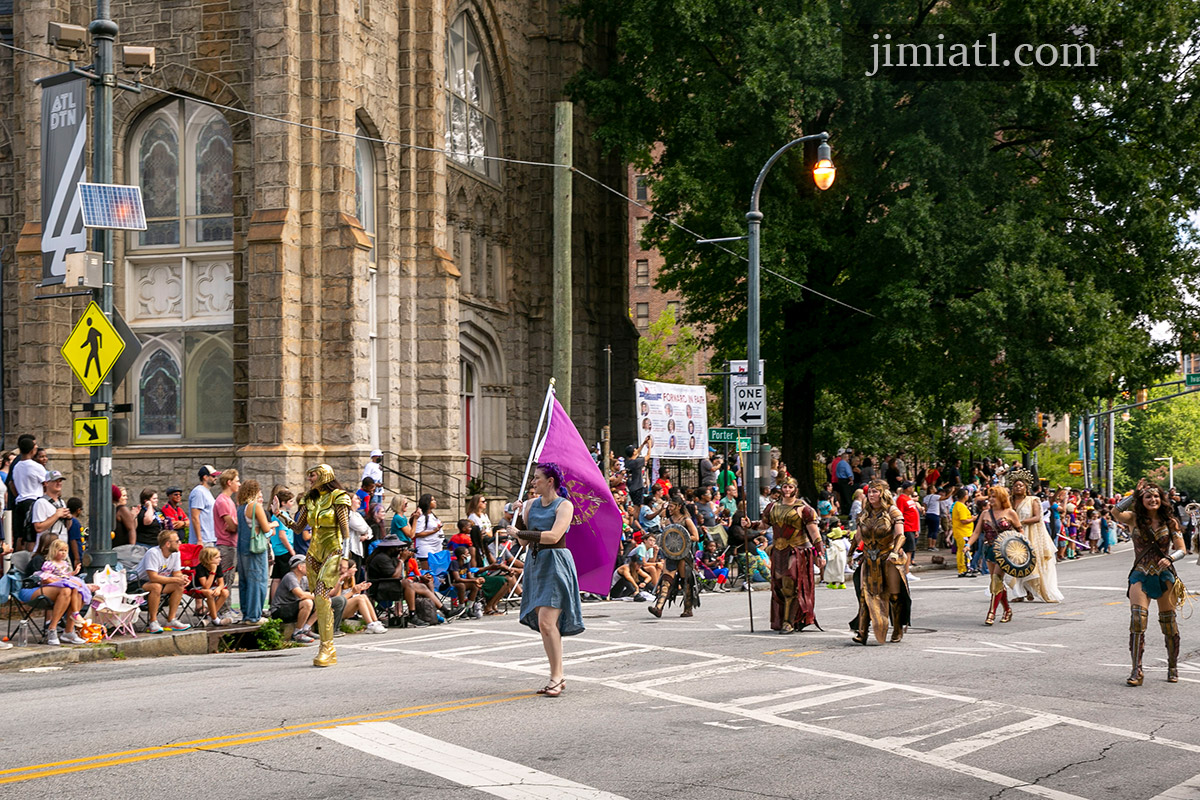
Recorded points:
(550, 577)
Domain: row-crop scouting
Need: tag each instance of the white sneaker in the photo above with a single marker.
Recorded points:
(178, 625)
(154, 627)
(376, 627)
(477, 610)
(6, 646)
(913, 578)
(52, 639)
(73, 638)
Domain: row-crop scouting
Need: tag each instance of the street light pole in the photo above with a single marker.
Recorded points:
(754, 219)
(100, 505)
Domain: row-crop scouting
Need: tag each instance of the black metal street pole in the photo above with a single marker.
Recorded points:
(100, 505)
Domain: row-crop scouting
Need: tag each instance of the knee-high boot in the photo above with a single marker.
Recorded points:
(864, 623)
(664, 592)
(1003, 595)
(1170, 629)
(894, 616)
(327, 656)
(1138, 618)
(688, 588)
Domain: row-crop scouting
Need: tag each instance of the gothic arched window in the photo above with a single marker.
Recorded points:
(179, 272)
(159, 390)
(471, 130)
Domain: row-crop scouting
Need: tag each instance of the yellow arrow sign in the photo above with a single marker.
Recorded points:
(90, 431)
(92, 348)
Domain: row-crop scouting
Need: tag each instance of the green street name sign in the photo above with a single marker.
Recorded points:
(743, 444)
(723, 435)
(1193, 379)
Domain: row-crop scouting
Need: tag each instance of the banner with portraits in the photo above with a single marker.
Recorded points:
(675, 416)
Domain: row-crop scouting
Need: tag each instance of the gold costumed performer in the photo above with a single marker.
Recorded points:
(795, 551)
(1157, 545)
(326, 509)
(880, 580)
(1043, 581)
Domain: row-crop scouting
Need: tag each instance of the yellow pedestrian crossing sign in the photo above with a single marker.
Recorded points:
(90, 432)
(93, 348)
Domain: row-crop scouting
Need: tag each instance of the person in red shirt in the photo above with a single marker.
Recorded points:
(175, 512)
(912, 520)
(664, 480)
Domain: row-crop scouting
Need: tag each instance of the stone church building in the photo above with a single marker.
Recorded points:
(309, 292)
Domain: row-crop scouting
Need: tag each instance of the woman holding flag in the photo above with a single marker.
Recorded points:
(550, 603)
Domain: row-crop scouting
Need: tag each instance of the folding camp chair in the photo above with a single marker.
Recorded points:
(439, 568)
(112, 605)
(25, 611)
(193, 600)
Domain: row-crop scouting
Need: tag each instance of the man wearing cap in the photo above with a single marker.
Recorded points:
(177, 518)
(373, 470)
(293, 602)
(49, 511)
(200, 507)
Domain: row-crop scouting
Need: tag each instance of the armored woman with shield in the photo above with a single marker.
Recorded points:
(679, 538)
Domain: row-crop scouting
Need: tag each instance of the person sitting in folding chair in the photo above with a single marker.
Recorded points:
(161, 573)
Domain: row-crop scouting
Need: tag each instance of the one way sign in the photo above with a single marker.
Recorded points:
(750, 406)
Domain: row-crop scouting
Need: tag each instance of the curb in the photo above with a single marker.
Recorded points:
(186, 643)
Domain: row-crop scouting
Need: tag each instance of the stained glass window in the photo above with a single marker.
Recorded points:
(214, 181)
(471, 130)
(212, 394)
(159, 395)
(364, 185)
(158, 156)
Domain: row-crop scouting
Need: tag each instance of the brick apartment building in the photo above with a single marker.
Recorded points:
(647, 303)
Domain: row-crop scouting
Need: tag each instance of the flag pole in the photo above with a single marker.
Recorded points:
(538, 435)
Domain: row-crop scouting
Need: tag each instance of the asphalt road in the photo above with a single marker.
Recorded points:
(697, 708)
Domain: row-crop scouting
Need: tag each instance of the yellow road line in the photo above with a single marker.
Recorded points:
(805, 653)
(776, 652)
(200, 745)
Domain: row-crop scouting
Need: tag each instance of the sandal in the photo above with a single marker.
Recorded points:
(990, 619)
(1007, 615)
(495, 612)
(553, 689)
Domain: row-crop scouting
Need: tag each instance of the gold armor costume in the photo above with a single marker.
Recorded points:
(883, 598)
(793, 557)
(329, 517)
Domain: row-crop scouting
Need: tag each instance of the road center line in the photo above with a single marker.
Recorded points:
(471, 768)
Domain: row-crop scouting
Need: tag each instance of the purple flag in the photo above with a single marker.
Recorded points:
(595, 531)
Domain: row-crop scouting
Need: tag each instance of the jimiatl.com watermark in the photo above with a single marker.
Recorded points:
(954, 53)
(987, 53)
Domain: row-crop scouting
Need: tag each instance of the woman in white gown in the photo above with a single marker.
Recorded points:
(1043, 581)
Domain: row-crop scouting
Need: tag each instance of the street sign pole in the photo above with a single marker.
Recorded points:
(100, 505)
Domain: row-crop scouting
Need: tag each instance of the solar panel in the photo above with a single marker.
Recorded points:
(107, 205)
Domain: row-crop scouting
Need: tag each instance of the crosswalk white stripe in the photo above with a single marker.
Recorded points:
(1188, 790)
(988, 738)
(722, 669)
(476, 770)
(820, 700)
(780, 695)
(629, 676)
(944, 726)
(576, 654)
(568, 661)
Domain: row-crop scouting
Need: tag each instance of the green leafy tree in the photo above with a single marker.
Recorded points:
(1012, 240)
(667, 350)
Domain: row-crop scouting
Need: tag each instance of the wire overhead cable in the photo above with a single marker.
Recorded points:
(443, 151)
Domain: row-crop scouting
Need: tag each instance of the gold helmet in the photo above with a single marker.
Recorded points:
(324, 473)
(1025, 476)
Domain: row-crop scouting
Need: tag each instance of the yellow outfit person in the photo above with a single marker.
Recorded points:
(328, 514)
(961, 526)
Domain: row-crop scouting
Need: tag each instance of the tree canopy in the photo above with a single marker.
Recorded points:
(1012, 237)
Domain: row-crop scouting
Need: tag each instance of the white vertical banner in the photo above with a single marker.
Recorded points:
(64, 136)
(675, 416)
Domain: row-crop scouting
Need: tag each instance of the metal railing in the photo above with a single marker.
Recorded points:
(499, 477)
(451, 488)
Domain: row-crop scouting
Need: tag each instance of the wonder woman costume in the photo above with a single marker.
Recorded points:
(329, 517)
